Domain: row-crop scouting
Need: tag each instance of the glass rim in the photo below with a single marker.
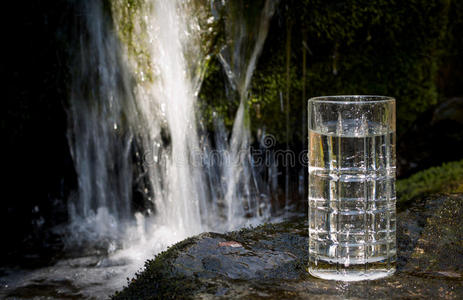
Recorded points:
(352, 99)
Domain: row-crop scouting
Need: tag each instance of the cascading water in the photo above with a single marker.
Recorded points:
(166, 107)
(99, 136)
(133, 126)
(239, 57)
(158, 110)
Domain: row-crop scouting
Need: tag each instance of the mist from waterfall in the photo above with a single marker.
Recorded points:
(134, 127)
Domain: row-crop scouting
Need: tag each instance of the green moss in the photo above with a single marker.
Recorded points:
(130, 18)
(157, 280)
(351, 47)
(131, 28)
(447, 178)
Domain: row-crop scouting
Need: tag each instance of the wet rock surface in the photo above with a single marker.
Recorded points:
(270, 262)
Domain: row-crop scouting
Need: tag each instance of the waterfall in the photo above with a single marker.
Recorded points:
(99, 136)
(245, 38)
(134, 125)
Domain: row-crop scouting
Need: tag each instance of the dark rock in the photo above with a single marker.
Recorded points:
(270, 262)
(435, 137)
(450, 110)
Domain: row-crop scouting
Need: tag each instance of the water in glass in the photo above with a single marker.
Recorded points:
(352, 216)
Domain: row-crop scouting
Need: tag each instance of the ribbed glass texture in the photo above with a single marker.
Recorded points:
(352, 202)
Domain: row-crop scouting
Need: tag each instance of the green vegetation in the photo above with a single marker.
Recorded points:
(406, 49)
(345, 47)
(131, 24)
(447, 178)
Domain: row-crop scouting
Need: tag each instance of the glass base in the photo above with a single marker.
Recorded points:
(353, 272)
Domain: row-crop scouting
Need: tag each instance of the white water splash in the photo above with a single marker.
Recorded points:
(125, 123)
(239, 57)
(133, 126)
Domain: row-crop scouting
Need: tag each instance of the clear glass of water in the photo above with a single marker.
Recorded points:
(352, 202)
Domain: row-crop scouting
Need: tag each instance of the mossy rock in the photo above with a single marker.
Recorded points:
(269, 262)
(447, 178)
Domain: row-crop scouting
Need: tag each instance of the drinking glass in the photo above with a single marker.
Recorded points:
(352, 202)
